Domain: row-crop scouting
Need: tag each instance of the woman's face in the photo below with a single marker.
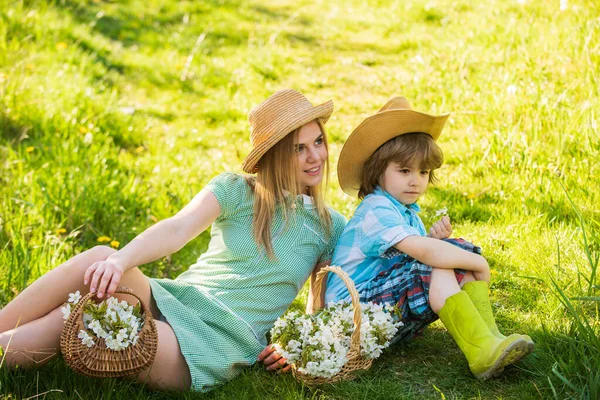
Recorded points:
(312, 155)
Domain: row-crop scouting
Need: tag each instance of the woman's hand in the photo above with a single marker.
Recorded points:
(441, 229)
(104, 276)
(273, 360)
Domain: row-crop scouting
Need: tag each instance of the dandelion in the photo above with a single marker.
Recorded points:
(83, 129)
(441, 212)
(61, 46)
(115, 244)
(564, 5)
(60, 231)
(29, 149)
(511, 90)
(103, 239)
(127, 110)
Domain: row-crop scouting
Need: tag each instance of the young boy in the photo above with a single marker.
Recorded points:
(388, 161)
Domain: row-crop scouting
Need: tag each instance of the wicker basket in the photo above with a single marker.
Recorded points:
(355, 360)
(100, 361)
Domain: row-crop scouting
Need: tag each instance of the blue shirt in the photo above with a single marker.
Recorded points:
(366, 247)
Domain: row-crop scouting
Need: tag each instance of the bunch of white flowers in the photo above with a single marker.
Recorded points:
(318, 344)
(118, 323)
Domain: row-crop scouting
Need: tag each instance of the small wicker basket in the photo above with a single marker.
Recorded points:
(100, 361)
(355, 360)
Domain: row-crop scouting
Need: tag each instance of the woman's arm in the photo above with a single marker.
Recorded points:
(440, 254)
(272, 360)
(161, 239)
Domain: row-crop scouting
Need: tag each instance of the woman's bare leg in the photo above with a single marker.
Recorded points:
(34, 343)
(51, 289)
(169, 370)
(37, 342)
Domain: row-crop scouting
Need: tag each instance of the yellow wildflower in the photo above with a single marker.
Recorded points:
(83, 129)
(114, 244)
(61, 231)
(139, 149)
(29, 149)
(103, 239)
(61, 46)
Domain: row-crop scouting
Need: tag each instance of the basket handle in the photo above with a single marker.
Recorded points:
(318, 301)
(77, 310)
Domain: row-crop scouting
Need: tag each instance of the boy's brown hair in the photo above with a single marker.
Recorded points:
(407, 149)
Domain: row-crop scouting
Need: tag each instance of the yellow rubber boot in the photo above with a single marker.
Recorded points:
(478, 293)
(487, 354)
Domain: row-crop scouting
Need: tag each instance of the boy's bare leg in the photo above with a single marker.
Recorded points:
(443, 284)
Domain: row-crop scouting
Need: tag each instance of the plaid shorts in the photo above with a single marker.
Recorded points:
(406, 284)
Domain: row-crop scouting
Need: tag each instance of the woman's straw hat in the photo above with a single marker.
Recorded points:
(274, 118)
(394, 119)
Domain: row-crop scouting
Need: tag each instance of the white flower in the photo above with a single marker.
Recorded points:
(66, 310)
(511, 90)
(74, 297)
(319, 344)
(119, 325)
(86, 338)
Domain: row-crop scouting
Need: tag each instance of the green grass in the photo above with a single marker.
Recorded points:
(112, 117)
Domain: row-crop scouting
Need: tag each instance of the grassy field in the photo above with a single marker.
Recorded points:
(114, 114)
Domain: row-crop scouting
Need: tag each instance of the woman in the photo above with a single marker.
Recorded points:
(269, 233)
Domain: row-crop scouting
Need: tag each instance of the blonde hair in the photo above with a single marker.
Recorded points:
(276, 176)
(407, 149)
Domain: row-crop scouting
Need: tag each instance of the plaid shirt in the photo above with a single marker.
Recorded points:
(366, 246)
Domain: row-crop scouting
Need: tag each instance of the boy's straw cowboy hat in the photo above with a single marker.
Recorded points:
(274, 118)
(394, 119)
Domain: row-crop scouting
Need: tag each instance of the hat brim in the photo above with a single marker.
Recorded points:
(321, 111)
(375, 131)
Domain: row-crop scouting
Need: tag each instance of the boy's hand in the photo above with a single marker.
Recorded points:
(441, 229)
(273, 360)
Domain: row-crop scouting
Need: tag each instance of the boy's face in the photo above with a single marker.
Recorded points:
(405, 183)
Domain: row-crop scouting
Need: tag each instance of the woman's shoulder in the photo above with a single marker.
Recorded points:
(228, 178)
(231, 181)
(230, 189)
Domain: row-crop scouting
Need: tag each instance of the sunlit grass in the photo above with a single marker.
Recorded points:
(114, 114)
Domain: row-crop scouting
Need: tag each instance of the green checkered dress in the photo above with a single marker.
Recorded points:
(224, 304)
